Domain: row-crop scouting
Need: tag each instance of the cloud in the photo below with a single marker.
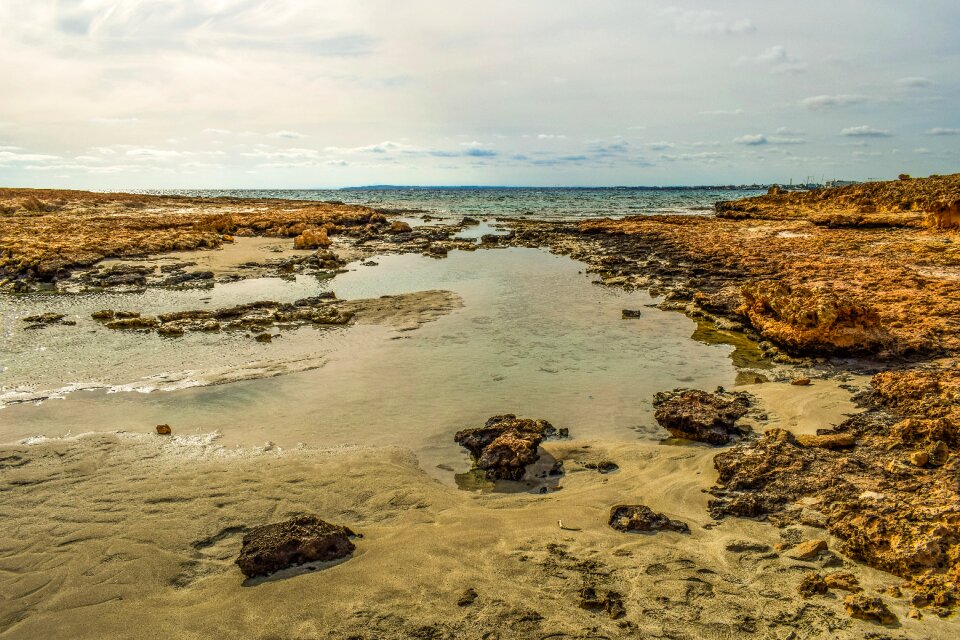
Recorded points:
(921, 150)
(914, 82)
(777, 59)
(863, 131)
(12, 156)
(752, 140)
(706, 22)
(286, 134)
(786, 140)
(787, 131)
(551, 136)
(722, 112)
(480, 153)
(660, 146)
(831, 102)
(114, 122)
(160, 154)
(943, 131)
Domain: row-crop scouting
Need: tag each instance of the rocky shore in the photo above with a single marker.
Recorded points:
(625, 540)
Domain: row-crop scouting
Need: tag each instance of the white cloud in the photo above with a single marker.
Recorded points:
(115, 122)
(754, 139)
(830, 102)
(161, 154)
(286, 134)
(864, 131)
(921, 150)
(551, 136)
(706, 22)
(722, 112)
(943, 131)
(777, 59)
(660, 146)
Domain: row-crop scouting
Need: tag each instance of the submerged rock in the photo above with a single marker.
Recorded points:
(641, 518)
(505, 445)
(698, 415)
(302, 539)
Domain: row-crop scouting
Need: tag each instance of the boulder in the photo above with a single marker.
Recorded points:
(399, 226)
(701, 416)
(312, 239)
(812, 584)
(505, 445)
(302, 539)
(641, 518)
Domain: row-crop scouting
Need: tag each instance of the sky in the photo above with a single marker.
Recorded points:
(141, 94)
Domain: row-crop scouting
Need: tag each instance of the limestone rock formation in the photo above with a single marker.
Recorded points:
(699, 415)
(505, 445)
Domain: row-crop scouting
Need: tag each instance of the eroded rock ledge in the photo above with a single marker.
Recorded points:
(506, 445)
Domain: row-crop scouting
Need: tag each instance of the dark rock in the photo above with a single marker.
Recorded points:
(490, 238)
(631, 313)
(469, 222)
(145, 322)
(46, 318)
(869, 608)
(467, 597)
(302, 539)
(106, 314)
(698, 415)
(164, 430)
(604, 466)
(812, 584)
(263, 337)
(641, 518)
(612, 603)
(399, 226)
(505, 446)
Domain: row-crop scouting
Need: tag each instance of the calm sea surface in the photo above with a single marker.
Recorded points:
(555, 203)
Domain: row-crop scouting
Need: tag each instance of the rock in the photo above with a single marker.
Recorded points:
(938, 454)
(45, 318)
(746, 546)
(812, 584)
(263, 337)
(164, 430)
(170, 331)
(505, 446)
(302, 539)
(467, 597)
(123, 315)
(919, 458)
(490, 238)
(105, 314)
(868, 608)
(612, 603)
(437, 250)
(641, 518)
(469, 222)
(843, 580)
(145, 322)
(399, 226)
(800, 382)
(774, 190)
(631, 313)
(815, 321)
(826, 441)
(807, 550)
(604, 466)
(698, 415)
(312, 238)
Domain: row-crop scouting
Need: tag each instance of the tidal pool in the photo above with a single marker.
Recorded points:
(536, 337)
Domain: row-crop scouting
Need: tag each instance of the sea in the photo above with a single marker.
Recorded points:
(556, 203)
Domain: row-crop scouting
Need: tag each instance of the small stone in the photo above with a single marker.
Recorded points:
(800, 382)
(164, 430)
(263, 337)
(868, 608)
(631, 313)
(914, 613)
(844, 581)
(467, 597)
(938, 454)
(812, 584)
(808, 550)
(399, 226)
(894, 591)
(919, 458)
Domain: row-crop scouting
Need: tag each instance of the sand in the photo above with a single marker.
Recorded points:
(133, 536)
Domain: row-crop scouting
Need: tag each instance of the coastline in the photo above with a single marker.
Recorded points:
(888, 317)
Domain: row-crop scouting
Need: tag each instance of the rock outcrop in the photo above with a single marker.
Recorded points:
(807, 321)
(638, 518)
(505, 445)
(302, 539)
(701, 416)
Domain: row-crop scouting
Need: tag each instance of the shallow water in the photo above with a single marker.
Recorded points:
(536, 337)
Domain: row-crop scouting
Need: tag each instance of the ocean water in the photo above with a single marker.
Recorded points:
(511, 202)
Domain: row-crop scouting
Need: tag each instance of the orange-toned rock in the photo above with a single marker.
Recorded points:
(164, 430)
(826, 441)
(312, 239)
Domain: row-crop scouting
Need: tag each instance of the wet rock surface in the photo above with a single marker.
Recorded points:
(302, 539)
(698, 415)
(506, 445)
(638, 518)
